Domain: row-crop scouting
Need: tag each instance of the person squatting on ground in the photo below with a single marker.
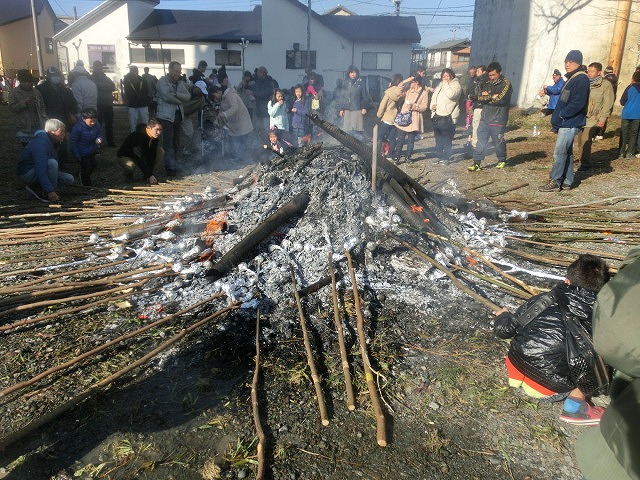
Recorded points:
(27, 104)
(353, 103)
(553, 92)
(387, 111)
(142, 149)
(416, 101)
(235, 118)
(611, 450)
(136, 97)
(539, 359)
(599, 108)
(38, 166)
(85, 143)
(445, 109)
(567, 119)
(299, 110)
(172, 93)
(495, 100)
(630, 125)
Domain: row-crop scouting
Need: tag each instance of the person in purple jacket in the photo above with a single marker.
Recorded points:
(630, 101)
(299, 111)
(85, 142)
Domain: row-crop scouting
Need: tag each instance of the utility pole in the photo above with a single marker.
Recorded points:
(619, 34)
(36, 32)
(308, 62)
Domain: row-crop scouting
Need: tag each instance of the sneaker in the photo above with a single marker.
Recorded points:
(586, 415)
(36, 194)
(501, 164)
(474, 167)
(552, 186)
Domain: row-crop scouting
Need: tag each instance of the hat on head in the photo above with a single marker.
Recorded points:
(79, 63)
(53, 71)
(609, 69)
(574, 56)
(24, 76)
(557, 72)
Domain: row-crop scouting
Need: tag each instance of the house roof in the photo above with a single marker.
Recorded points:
(369, 28)
(14, 10)
(88, 20)
(199, 26)
(451, 44)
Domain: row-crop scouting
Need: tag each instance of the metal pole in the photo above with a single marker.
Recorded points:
(36, 32)
(308, 62)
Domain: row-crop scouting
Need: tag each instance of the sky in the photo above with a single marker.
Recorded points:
(438, 20)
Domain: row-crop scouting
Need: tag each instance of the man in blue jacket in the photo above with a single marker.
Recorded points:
(38, 167)
(567, 120)
(553, 91)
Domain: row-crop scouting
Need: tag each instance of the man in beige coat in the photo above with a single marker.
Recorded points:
(601, 98)
(235, 118)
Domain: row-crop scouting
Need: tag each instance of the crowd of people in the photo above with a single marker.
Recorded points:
(579, 104)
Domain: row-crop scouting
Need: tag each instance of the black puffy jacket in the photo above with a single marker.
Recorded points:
(538, 349)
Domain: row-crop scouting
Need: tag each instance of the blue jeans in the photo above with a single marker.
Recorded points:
(496, 132)
(387, 133)
(56, 177)
(562, 170)
(170, 141)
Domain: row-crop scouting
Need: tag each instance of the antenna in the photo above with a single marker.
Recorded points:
(397, 4)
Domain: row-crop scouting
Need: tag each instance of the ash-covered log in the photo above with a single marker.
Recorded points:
(293, 207)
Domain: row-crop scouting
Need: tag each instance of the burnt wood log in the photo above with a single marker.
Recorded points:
(293, 207)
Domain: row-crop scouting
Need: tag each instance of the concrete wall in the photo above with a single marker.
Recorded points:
(530, 39)
(18, 44)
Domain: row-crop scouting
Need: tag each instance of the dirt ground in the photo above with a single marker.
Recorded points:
(449, 412)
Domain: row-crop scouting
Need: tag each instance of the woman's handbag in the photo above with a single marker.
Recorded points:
(404, 119)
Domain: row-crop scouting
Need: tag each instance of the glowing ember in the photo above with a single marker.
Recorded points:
(416, 208)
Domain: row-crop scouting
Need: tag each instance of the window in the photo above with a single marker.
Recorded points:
(105, 54)
(157, 55)
(297, 59)
(229, 57)
(376, 61)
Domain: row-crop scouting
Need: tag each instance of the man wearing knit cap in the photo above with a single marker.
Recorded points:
(568, 118)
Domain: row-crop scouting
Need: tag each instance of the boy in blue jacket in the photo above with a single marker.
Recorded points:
(85, 142)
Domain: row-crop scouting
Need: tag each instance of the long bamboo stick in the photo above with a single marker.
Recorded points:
(262, 438)
(15, 436)
(115, 341)
(310, 361)
(381, 433)
(351, 402)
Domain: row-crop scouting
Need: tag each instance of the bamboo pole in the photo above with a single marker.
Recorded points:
(351, 402)
(262, 439)
(486, 302)
(115, 341)
(15, 436)
(307, 345)
(575, 205)
(381, 434)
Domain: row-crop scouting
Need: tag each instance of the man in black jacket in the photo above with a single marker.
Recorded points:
(538, 360)
(142, 149)
(495, 100)
(136, 98)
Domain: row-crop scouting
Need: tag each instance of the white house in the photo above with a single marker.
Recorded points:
(124, 32)
(531, 39)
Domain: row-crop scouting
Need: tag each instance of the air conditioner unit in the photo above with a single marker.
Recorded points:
(296, 47)
(224, 46)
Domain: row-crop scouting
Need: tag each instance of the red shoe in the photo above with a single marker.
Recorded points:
(586, 415)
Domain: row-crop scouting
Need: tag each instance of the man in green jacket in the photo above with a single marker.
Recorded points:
(612, 449)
